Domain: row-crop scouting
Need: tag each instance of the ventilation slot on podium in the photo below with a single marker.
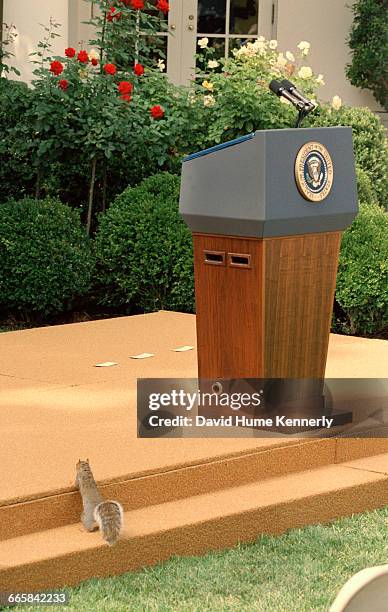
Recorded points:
(239, 260)
(216, 258)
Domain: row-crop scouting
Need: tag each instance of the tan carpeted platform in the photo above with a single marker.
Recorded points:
(56, 407)
(65, 556)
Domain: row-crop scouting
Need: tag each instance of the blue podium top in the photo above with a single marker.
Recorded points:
(220, 146)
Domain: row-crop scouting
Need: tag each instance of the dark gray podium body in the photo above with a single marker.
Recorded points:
(267, 212)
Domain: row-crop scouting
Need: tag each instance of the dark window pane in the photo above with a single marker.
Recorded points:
(243, 16)
(211, 16)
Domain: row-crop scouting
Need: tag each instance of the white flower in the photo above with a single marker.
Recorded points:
(209, 100)
(93, 54)
(273, 44)
(304, 46)
(248, 50)
(261, 38)
(192, 98)
(253, 48)
(213, 64)
(258, 46)
(320, 80)
(290, 56)
(203, 42)
(281, 61)
(336, 102)
(305, 72)
(161, 65)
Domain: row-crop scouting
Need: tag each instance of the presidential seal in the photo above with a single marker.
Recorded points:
(314, 171)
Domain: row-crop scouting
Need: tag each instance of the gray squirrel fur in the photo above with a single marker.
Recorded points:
(107, 515)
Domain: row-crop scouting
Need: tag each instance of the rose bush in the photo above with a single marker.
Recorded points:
(231, 98)
(235, 91)
(128, 32)
(100, 118)
(95, 115)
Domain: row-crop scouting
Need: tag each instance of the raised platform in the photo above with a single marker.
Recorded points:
(181, 496)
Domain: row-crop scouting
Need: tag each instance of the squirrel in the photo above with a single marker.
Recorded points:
(97, 512)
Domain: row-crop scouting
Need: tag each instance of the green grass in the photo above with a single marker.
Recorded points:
(299, 571)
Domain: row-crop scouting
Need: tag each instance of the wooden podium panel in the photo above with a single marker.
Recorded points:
(300, 274)
(229, 308)
(264, 306)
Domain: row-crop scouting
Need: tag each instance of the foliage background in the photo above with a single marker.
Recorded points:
(72, 135)
(46, 259)
(144, 250)
(362, 280)
(368, 42)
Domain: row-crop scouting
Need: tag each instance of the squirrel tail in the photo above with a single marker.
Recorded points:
(109, 517)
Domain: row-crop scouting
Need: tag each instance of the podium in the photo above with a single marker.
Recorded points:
(267, 212)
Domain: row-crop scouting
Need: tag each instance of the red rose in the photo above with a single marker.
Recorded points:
(63, 84)
(137, 5)
(126, 2)
(163, 6)
(83, 57)
(126, 97)
(110, 69)
(70, 52)
(138, 69)
(125, 87)
(94, 61)
(56, 67)
(157, 112)
(113, 15)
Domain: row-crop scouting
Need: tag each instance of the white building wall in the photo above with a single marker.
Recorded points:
(26, 15)
(79, 32)
(326, 25)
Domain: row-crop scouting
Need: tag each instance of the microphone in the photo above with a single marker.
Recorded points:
(290, 87)
(278, 88)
